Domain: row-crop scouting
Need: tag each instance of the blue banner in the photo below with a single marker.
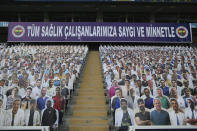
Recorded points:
(98, 32)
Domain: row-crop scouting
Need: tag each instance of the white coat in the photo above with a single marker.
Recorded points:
(19, 119)
(36, 92)
(125, 91)
(181, 102)
(119, 115)
(36, 118)
(51, 91)
(173, 118)
(130, 102)
(188, 114)
(2, 114)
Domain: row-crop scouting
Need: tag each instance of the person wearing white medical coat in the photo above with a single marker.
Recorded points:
(119, 116)
(15, 116)
(36, 115)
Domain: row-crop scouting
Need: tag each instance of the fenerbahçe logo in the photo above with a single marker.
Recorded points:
(18, 31)
(182, 32)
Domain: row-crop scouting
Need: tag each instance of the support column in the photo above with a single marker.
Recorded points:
(72, 18)
(126, 18)
(19, 17)
(152, 18)
(46, 17)
(178, 18)
(99, 17)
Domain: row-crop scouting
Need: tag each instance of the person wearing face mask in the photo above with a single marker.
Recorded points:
(123, 116)
(191, 113)
(142, 116)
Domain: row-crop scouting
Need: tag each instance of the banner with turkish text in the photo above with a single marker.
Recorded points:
(98, 32)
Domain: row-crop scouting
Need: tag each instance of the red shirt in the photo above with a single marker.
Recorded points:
(58, 102)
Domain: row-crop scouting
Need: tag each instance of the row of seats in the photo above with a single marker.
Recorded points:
(143, 77)
(37, 82)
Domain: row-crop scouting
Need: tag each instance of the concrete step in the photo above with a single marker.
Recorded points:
(90, 90)
(90, 93)
(91, 76)
(91, 85)
(89, 113)
(89, 120)
(78, 101)
(98, 72)
(88, 127)
(91, 80)
(90, 107)
(90, 98)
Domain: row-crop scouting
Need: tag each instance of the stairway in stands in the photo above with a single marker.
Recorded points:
(90, 109)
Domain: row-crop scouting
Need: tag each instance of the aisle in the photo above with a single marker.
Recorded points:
(90, 110)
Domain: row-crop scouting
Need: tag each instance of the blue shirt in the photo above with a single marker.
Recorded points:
(117, 103)
(47, 71)
(57, 83)
(179, 77)
(41, 102)
(20, 76)
(163, 66)
(66, 71)
(160, 118)
(166, 91)
(149, 103)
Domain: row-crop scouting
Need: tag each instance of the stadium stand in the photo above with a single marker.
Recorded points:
(144, 72)
(35, 73)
